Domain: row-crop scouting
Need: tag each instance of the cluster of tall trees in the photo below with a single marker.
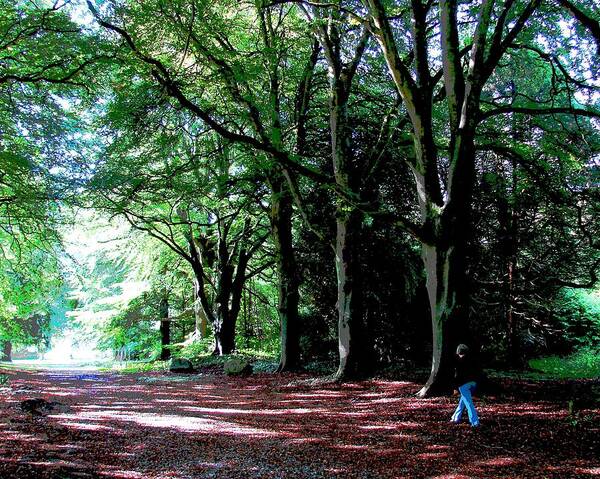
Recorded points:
(388, 160)
(45, 58)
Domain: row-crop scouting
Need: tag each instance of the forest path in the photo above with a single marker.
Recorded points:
(47, 364)
(151, 426)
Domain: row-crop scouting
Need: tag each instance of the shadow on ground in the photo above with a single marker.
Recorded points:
(165, 426)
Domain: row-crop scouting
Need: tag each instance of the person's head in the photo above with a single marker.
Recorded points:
(462, 350)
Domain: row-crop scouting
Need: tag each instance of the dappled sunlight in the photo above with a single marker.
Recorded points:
(177, 402)
(53, 464)
(317, 395)
(592, 471)
(388, 400)
(213, 426)
(305, 440)
(379, 427)
(63, 393)
(18, 436)
(252, 412)
(180, 423)
(453, 476)
(300, 401)
(119, 474)
(431, 455)
(500, 461)
(84, 426)
(351, 447)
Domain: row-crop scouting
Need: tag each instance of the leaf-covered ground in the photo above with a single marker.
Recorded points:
(165, 426)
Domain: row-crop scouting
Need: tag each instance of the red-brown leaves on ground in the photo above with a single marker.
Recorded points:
(210, 426)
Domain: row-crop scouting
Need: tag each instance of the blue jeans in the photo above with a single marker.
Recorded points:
(466, 401)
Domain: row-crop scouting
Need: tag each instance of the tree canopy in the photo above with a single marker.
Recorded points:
(360, 182)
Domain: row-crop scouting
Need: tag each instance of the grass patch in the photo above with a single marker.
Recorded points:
(130, 367)
(173, 379)
(582, 364)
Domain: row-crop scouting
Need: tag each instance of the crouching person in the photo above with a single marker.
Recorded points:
(466, 376)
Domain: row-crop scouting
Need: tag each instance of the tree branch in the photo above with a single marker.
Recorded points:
(162, 75)
(538, 111)
(593, 25)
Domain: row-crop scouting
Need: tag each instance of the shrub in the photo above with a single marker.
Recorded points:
(578, 314)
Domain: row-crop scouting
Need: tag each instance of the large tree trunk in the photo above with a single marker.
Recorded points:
(224, 330)
(230, 263)
(224, 324)
(281, 200)
(446, 231)
(342, 67)
(7, 351)
(351, 333)
(229, 300)
(200, 319)
(281, 228)
(165, 330)
(351, 342)
(447, 268)
(512, 336)
(447, 288)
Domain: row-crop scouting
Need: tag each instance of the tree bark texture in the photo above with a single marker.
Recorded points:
(217, 311)
(448, 292)
(165, 330)
(200, 320)
(446, 224)
(447, 268)
(281, 199)
(229, 262)
(287, 269)
(351, 340)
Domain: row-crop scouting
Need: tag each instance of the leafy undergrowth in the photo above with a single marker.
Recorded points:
(136, 366)
(267, 426)
(582, 364)
(209, 363)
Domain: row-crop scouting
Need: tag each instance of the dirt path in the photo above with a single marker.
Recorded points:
(166, 426)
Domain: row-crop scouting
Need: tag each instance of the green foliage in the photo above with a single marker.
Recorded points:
(44, 57)
(200, 354)
(137, 340)
(578, 314)
(152, 161)
(133, 367)
(582, 364)
(120, 284)
(195, 350)
(258, 325)
(4, 379)
(29, 287)
(182, 378)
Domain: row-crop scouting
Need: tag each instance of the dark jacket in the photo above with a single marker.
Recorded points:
(466, 370)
